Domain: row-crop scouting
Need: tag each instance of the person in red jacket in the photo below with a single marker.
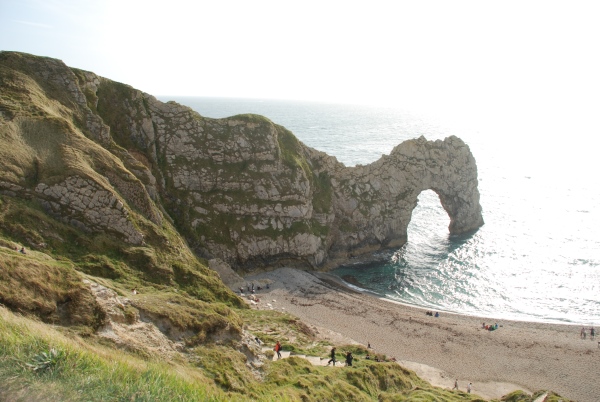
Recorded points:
(277, 349)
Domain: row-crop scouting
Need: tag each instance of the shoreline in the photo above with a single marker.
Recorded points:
(523, 355)
(339, 283)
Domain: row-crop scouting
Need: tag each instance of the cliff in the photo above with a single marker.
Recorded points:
(107, 159)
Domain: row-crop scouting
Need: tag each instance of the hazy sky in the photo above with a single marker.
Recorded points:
(524, 59)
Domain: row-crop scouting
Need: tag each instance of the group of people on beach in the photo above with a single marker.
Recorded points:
(254, 300)
(491, 327)
(250, 288)
(583, 333)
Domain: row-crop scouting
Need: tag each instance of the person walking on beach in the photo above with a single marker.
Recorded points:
(278, 349)
(332, 357)
(469, 388)
(592, 333)
(455, 385)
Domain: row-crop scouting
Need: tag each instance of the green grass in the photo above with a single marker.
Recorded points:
(367, 380)
(186, 314)
(87, 371)
(228, 370)
(272, 326)
(42, 363)
(50, 289)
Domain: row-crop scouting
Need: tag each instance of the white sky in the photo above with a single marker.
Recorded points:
(530, 60)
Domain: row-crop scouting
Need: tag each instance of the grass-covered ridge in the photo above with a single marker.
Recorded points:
(41, 363)
(44, 364)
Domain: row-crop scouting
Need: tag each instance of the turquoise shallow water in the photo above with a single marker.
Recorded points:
(537, 257)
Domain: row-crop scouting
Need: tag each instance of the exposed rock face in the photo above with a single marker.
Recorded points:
(129, 326)
(241, 189)
(82, 203)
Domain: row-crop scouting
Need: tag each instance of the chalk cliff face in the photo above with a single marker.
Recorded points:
(106, 158)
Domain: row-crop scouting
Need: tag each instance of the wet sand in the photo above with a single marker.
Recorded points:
(518, 355)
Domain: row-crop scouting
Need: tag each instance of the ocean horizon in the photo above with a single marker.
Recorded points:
(537, 258)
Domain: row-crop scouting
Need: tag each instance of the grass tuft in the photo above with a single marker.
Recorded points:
(47, 361)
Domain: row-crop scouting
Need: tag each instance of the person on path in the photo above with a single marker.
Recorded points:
(349, 359)
(592, 333)
(277, 349)
(332, 357)
(455, 385)
(469, 388)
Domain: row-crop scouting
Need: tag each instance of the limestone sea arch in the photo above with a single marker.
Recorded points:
(380, 197)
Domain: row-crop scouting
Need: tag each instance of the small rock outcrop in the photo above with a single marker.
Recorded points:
(107, 158)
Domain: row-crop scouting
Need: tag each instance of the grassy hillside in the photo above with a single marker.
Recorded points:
(42, 363)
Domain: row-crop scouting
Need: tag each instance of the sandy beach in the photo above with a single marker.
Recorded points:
(518, 355)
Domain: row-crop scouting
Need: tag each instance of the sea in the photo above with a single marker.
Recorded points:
(537, 257)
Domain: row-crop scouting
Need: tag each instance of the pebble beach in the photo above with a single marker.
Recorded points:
(529, 356)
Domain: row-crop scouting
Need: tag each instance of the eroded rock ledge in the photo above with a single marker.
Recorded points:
(242, 189)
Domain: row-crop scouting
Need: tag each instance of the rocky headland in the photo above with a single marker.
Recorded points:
(106, 158)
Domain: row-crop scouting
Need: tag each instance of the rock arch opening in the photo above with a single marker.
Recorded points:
(429, 219)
